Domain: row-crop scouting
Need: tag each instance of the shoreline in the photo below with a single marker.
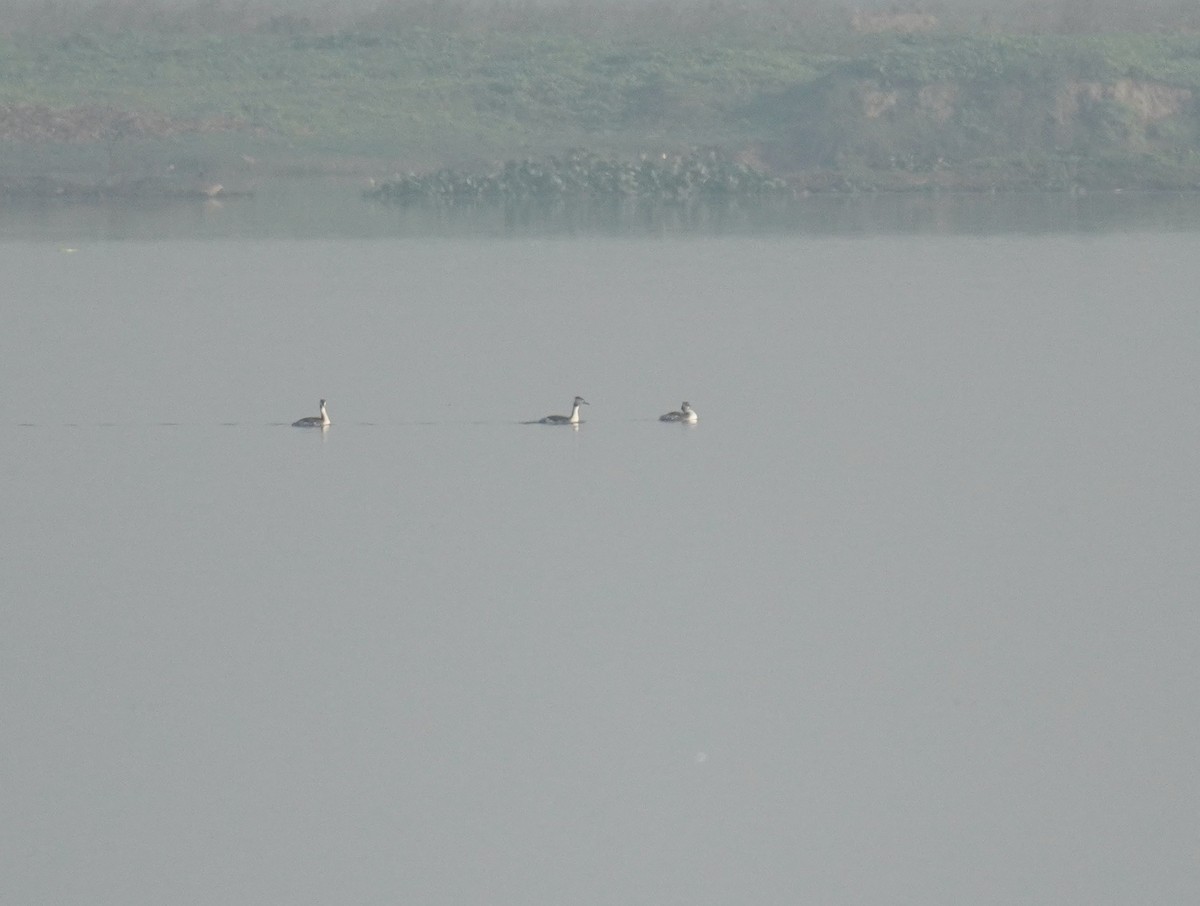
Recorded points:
(445, 187)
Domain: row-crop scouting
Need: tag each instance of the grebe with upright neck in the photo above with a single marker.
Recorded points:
(685, 414)
(572, 419)
(314, 421)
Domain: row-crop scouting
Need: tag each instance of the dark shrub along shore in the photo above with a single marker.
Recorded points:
(710, 173)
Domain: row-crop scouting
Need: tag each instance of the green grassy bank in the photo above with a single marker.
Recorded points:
(829, 107)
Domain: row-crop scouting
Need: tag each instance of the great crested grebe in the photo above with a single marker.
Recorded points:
(685, 414)
(572, 419)
(314, 421)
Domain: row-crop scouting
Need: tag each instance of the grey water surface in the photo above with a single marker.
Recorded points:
(910, 616)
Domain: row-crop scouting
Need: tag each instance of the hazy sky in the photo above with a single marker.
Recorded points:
(1072, 15)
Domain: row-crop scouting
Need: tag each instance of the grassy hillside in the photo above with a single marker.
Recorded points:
(833, 106)
(419, 97)
(1037, 111)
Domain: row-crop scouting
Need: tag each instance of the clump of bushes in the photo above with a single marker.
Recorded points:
(579, 174)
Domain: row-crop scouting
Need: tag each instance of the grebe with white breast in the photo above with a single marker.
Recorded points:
(685, 414)
(572, 419)
(314, 421)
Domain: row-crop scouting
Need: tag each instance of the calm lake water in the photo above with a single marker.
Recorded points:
(908, 617)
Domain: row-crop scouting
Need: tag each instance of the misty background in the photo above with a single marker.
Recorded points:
(1032, 16)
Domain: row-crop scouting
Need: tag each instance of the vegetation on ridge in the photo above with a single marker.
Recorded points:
(806, 93)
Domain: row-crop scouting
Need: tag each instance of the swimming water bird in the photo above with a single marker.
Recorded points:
(572, 419)
(685, 414)
(314, 421)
